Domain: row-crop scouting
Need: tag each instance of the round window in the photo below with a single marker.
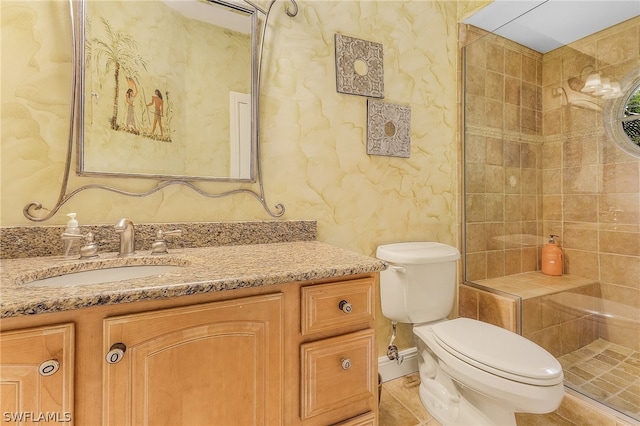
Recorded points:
(622, 116)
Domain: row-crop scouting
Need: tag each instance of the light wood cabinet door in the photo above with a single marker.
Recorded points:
(338, 378)
(212, 364)
(36, 375)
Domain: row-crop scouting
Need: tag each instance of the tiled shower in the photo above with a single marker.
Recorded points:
(536, 164)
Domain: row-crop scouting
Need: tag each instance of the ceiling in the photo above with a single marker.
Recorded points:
(544, 25)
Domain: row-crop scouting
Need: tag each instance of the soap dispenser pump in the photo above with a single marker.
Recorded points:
(72, 245)
(552, 258)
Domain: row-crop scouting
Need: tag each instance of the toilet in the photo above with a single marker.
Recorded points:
(471, 372)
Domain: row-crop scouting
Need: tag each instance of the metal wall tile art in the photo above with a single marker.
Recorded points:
(388, 129)
(359, 67)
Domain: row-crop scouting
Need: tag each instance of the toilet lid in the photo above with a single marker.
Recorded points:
(486, 345)
(418, 252)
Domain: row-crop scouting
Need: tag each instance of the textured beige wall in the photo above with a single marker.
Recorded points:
(313, 139)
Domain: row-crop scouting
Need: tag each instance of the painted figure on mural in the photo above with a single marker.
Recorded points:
(129, 99)
(158, 103)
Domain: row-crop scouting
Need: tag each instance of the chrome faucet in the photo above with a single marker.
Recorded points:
(125, 228)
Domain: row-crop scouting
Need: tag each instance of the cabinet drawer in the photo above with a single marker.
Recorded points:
(338, 374)
(330, 306)
(368, 419)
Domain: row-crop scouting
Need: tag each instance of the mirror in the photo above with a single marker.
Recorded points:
(167, 90)
(622, 116)
(150, 99)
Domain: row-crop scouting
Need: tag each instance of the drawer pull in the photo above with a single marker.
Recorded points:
(345, 306)
(116, 353)
(345, 363)
(49, 367)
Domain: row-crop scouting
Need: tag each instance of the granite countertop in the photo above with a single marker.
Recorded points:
(207, 269)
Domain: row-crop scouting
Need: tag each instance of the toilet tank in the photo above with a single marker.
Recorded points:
(420, 283)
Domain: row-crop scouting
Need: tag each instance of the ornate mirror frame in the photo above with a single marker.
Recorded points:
(77, 12)
(616, 115)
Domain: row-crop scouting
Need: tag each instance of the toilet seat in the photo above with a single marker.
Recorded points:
(497, 351)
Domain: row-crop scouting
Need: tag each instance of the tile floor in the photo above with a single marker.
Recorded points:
(400, 406)
(606, 372)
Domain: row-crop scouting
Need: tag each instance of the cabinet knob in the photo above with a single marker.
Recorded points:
(116, 353)
(345, 363)
(345, 306)
(49, 367)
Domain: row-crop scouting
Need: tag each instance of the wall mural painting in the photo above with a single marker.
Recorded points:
(159, 86)
(145, 111)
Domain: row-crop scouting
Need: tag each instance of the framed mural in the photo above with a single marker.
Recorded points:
(167, 90)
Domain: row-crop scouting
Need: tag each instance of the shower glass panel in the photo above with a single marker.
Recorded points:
(537, 161)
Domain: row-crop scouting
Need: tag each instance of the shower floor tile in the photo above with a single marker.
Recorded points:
(606, 372)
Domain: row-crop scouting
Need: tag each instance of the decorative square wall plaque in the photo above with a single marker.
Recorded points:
(388, 129)
(359, 67)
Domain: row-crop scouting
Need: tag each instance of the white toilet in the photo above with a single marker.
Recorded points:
(471, 372)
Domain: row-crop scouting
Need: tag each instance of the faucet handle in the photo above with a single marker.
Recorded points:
(159, 246)
(89, 249)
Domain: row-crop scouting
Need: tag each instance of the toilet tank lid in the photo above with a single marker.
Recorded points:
(418, 252)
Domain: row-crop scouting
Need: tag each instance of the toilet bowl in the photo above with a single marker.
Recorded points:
(471, 372)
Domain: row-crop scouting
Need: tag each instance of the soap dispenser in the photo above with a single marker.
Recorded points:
(552, 258)
(72, 245)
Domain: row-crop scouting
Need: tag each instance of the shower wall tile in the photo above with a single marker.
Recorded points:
(513, 63)
(488, 307)
(621, 270)
(551, 122)
(580, 208)
(531, 71)
(570, 180)
(497, 310)
(579, 152)
(552, 156)
(495, 151)
(621, 178)
(494, 85)
(580, 180)
(476, 266)
(580, 236)
(530, 181)
(581, 263)
(619, 209)
(475, 82)
(625, 243)
(618, 46)
(529, 259)
(496, 264)
(512, 90)
(495, 207)
(476, 149)
(551, 181)
(495, 179)
(495, 57)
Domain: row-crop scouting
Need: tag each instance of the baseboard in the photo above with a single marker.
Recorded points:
(390, 370)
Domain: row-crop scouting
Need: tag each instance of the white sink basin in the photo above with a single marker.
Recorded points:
(105, 275)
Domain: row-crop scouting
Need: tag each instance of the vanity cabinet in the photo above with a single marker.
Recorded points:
(36, 374)
(338, 364)
(298, 353)
(211, 364)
